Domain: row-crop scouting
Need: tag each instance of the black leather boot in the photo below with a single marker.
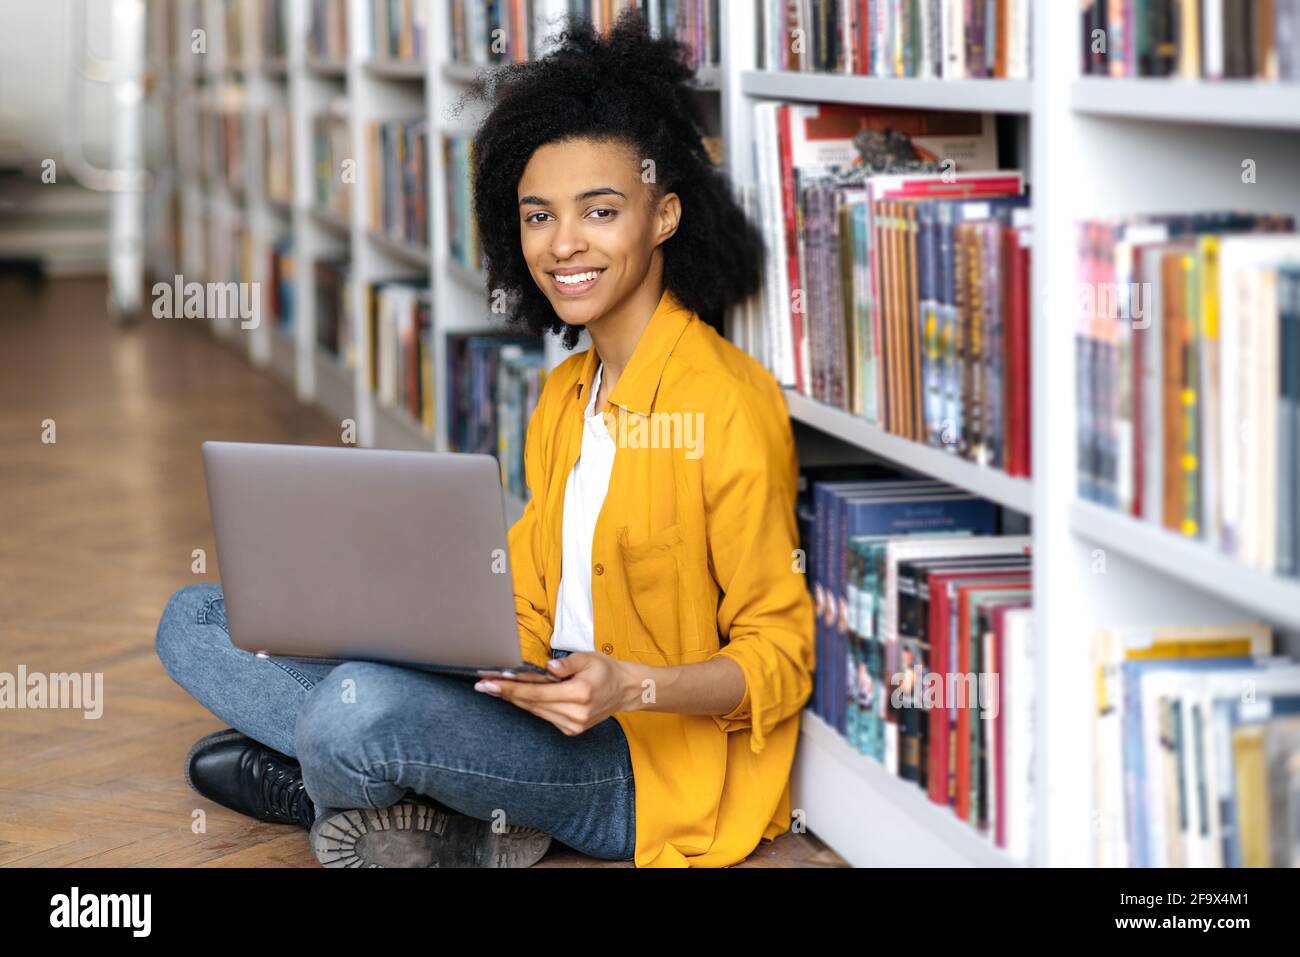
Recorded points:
(235, 771)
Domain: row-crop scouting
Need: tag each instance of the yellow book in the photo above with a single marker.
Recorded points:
(1252, 794)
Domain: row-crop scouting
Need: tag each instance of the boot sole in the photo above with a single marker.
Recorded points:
(415, 834)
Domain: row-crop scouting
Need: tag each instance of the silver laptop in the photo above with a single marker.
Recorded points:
(365, 554)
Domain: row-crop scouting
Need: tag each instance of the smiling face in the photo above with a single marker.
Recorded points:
(591, 230)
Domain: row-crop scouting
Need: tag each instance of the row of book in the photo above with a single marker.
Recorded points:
(462, 228)
(1196, 748)
(273, 29)
(516, 31)
(1188, 392)
(481, 413)
(520, 376)
(282, 268)
(220, 121)
(332, 280)
(332, 159)
(1192, 39)
(233, 23)
(398, 323)
(399, 30)
(898, 275)
(277, 155)
(397, 153)
(925, 39)
(924, 659)
(327, 35)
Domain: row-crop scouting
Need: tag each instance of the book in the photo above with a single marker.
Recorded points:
(924, 39)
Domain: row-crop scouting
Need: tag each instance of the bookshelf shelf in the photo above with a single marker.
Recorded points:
(462, 72)
(472, 280)
(1227, 103)
(330, 219)
(1256, 592)
(985, 96)
(334, 69)
(406, 252)
(872, 818)
(408, 70)
(997, 486)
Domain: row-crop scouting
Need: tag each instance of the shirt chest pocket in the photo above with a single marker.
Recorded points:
(661, 620)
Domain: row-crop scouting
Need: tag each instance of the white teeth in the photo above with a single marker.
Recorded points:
(576, 278)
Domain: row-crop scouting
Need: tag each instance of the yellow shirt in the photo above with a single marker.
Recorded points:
(694, 556)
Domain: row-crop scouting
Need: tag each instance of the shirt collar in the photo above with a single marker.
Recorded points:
(636, 387)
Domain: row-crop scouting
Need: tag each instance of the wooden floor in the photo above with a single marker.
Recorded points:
(96, 531)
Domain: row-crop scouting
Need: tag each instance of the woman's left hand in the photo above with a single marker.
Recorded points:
(592, 688)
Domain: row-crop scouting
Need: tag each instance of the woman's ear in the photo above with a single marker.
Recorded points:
(668, 217)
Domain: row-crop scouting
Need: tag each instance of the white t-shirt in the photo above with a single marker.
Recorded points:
(583, 497)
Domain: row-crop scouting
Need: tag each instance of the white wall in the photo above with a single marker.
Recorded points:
(34, 41)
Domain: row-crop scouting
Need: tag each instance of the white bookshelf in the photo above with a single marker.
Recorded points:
(1090, 147)
(993, 484)
(1245, 103)
(989, 96)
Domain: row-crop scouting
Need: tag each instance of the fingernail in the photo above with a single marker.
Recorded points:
(487, 687)
(554, 664)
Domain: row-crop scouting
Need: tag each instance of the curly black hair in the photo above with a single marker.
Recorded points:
(628, 87)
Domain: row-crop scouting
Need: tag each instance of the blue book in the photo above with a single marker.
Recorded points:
(921, 508)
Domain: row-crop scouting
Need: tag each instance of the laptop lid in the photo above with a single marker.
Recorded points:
(364, 554)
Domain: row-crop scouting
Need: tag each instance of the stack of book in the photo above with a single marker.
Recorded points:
(333, 281)
(520, 376)
(1189, 378)
(327, 36)
(924, 659)
(926, 39)
(398, 160)
(462, 228)
(1196, 737)
(233, 24)
(398, 322)
(331, 148)
(274, 30)
(515, 31)
(277, 155)
(399, 30)
(472, 376)
(283, 271)
(221, 136)
(1192, 39)
(901, 297)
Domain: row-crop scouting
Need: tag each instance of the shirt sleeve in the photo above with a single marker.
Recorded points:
(765, 615)
(527, 558)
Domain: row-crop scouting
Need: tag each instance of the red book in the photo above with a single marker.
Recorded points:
(962, 804)
(940, 759)
(1016, 326)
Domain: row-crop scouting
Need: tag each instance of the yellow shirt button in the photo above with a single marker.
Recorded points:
(607, 648)
(599, 569)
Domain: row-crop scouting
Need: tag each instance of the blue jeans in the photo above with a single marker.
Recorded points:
(367, 734)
